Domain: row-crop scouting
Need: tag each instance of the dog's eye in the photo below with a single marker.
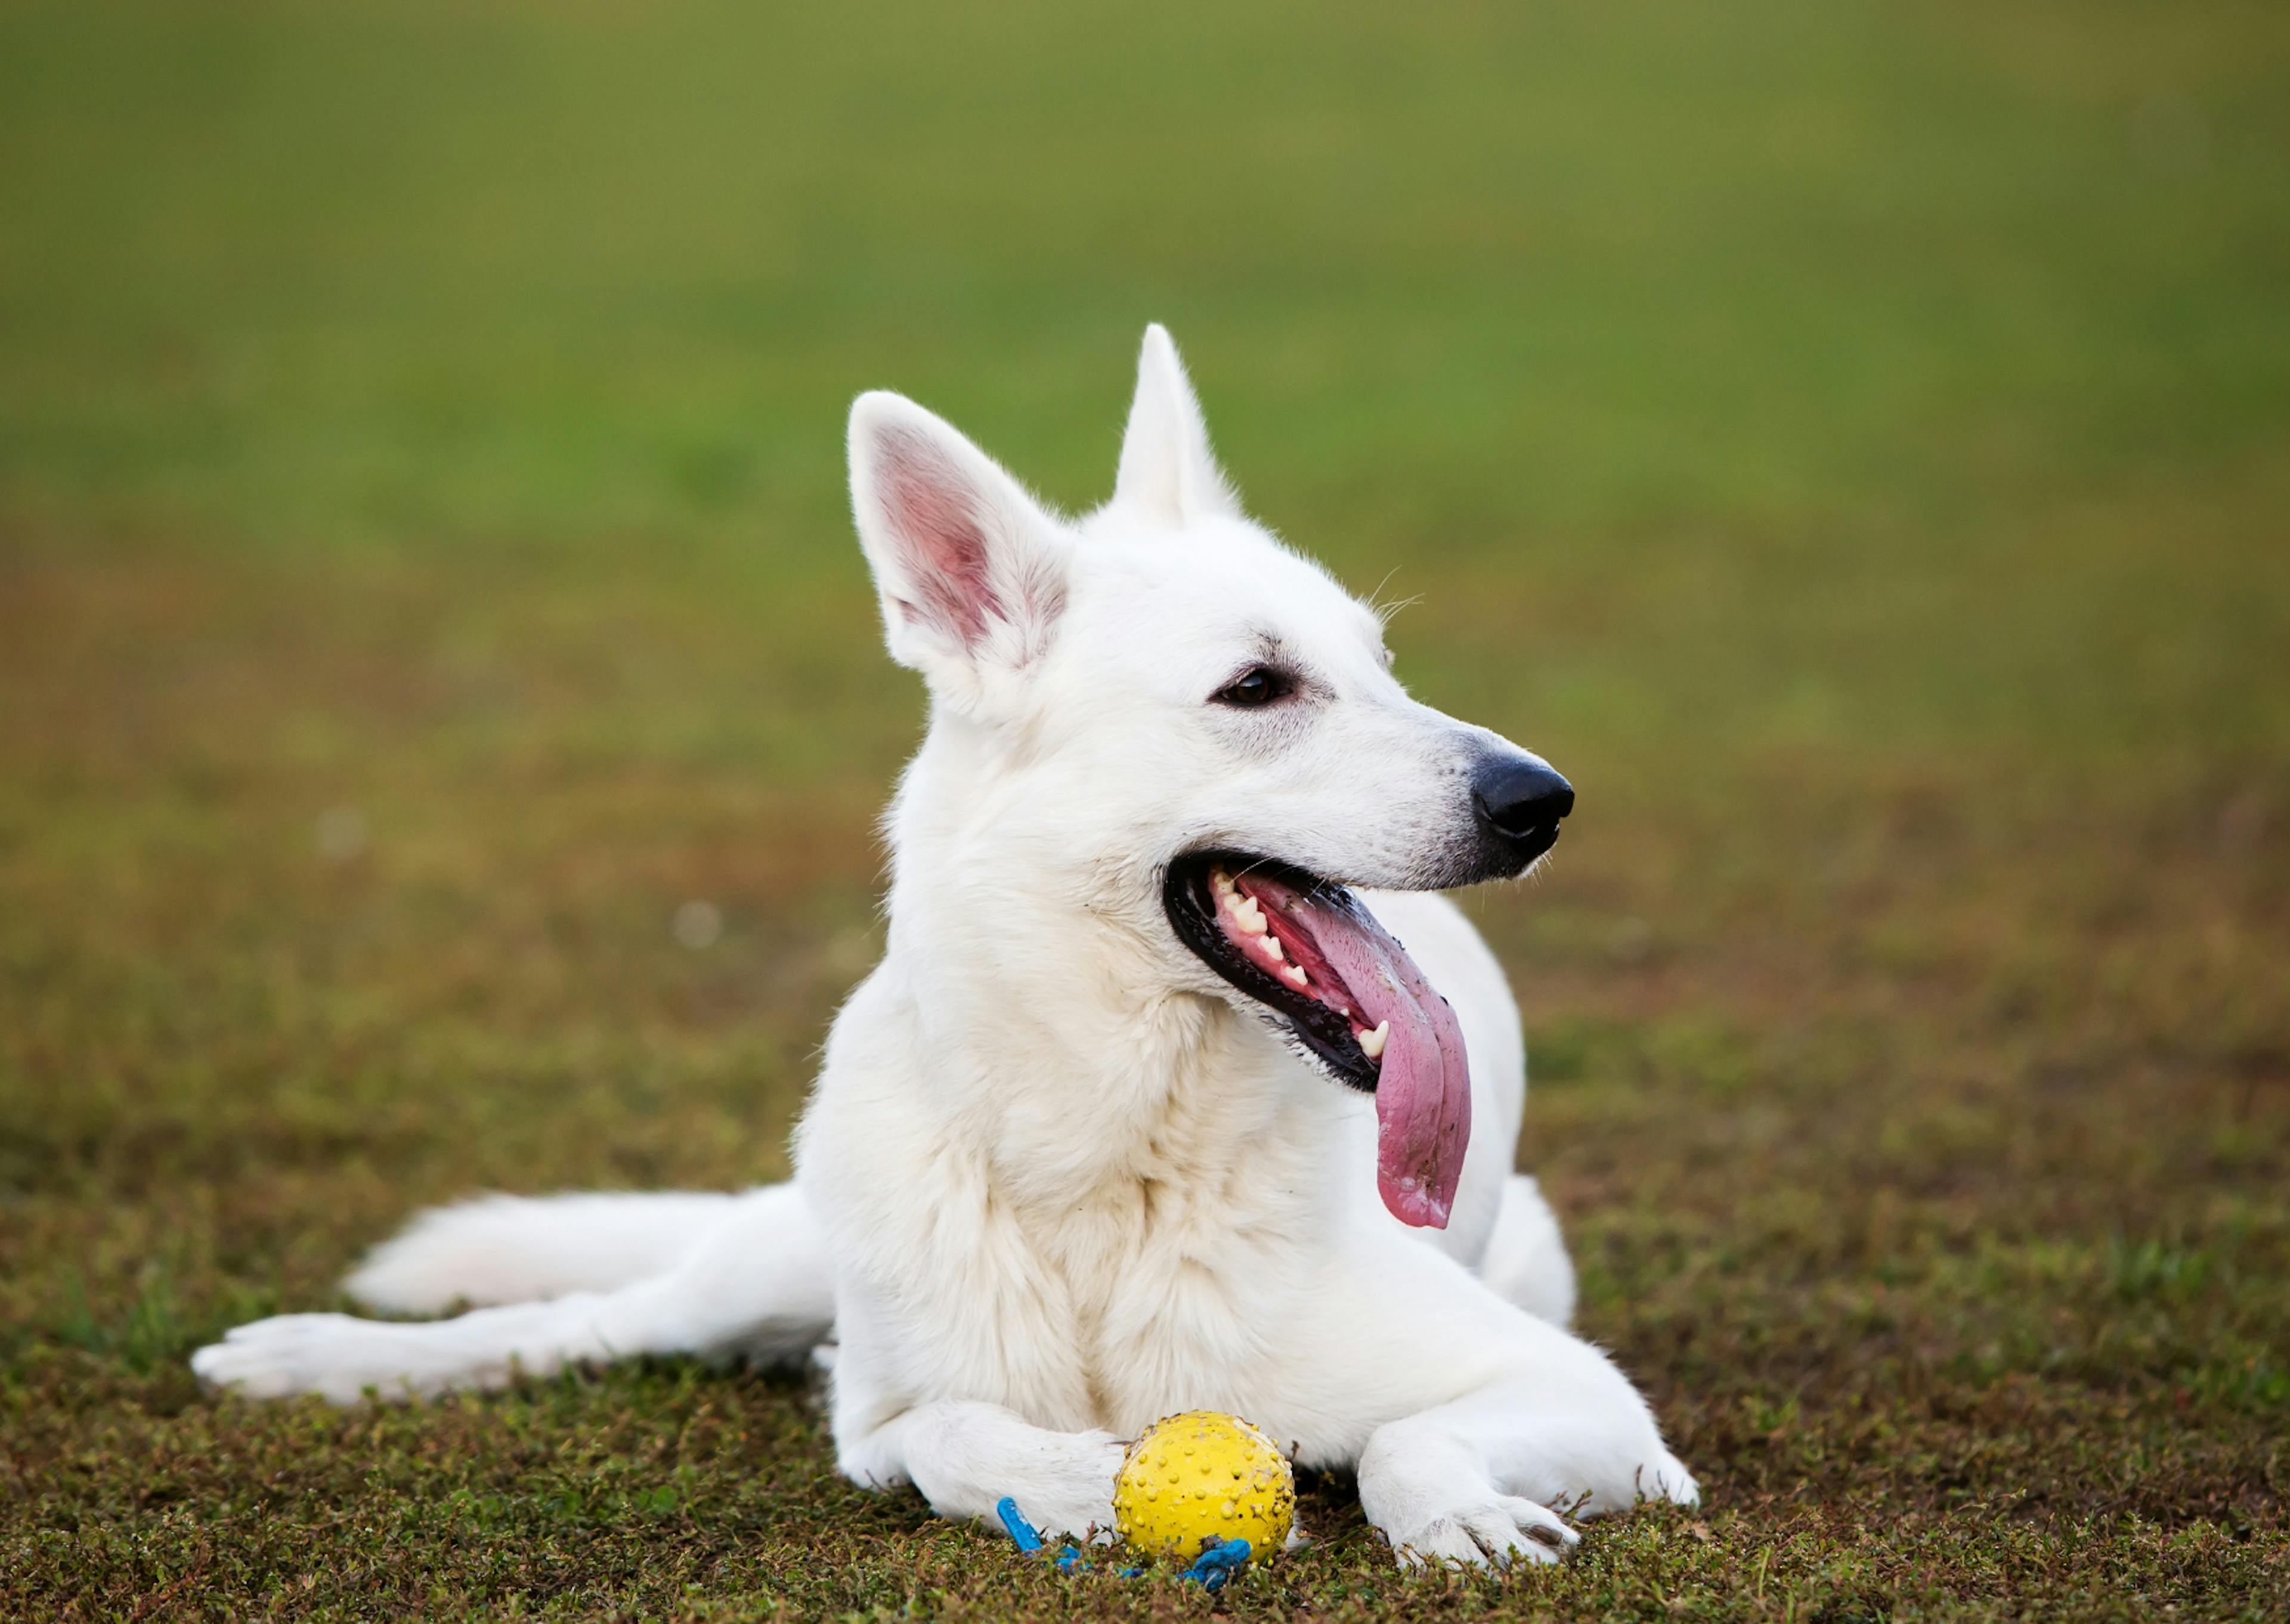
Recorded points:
(1258, 685)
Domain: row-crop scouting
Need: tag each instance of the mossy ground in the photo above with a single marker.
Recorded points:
(1849, 440)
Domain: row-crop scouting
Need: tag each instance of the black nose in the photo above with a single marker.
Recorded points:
(1522, 801)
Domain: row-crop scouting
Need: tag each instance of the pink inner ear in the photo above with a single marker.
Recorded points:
(931, 513)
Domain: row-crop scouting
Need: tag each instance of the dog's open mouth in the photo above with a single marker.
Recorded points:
(1306, 949)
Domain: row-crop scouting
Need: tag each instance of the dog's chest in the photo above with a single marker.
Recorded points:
(1155, 1296)
(1082, 1259)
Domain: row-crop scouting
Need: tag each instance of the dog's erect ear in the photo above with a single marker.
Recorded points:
(971, 571)
(1169, 478)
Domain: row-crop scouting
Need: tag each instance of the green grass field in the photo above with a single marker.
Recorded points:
(1850, 440)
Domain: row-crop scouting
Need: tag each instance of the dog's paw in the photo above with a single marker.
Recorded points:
(1069, 1490)
(332, 1354)
(1494, 1533)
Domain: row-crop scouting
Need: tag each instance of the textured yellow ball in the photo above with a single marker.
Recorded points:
(1191, 1475)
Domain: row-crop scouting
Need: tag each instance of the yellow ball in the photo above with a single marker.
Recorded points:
(1191, 1475)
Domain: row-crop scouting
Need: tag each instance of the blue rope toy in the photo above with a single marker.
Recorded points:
(1219, 1559)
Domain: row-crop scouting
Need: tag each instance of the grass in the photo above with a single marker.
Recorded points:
(1848, 439)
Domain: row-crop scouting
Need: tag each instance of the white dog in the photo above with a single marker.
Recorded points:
(1146, 1107)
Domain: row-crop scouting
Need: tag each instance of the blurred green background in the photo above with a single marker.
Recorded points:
(1850, 440)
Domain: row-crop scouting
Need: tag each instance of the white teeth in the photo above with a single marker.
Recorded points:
(1294, 974)
(1371, 1042)
(1274, 950)
(1249, 916)
(1221, 882)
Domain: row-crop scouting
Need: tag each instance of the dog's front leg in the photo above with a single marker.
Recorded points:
(1470, 1423)
(967, 1456)
(1476, 1480)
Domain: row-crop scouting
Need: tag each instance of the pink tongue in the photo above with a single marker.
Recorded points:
(1424, 1097)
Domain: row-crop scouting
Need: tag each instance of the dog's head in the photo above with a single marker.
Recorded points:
(1169, 697)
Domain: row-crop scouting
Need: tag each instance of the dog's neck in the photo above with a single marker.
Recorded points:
(1057, 1038)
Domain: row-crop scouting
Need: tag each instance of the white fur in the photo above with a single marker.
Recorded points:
(1057, 1177)
(500, 1249)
